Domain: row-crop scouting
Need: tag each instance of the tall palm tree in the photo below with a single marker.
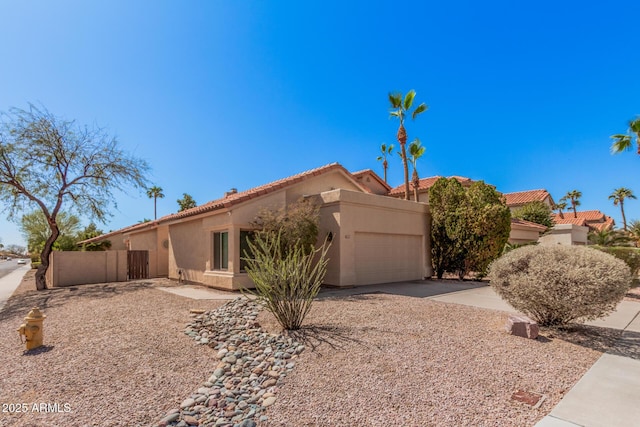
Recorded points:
(155, 193)
(560, 206)
(385, 152)
(400, 108)
(416, 150)
(618, 196)
(624, 142)
(573, 197)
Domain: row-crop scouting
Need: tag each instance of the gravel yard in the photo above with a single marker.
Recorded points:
(117, 355)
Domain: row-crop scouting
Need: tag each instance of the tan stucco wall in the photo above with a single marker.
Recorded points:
(188, 251)
(143, 241)
(565, 234)
(117, 243)
(317, 184)
(519, 235)
(364, 213)
(78, 268)
(372, 184)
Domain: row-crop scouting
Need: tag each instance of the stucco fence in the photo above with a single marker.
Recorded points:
(81, 268)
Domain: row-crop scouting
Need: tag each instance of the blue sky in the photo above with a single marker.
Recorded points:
(222, 94)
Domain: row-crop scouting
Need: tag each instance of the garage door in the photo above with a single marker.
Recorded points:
(386, 258)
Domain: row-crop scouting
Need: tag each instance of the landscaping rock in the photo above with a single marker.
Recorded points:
(522, 326)
(250, 362)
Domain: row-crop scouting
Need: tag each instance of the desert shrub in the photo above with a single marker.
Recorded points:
(286, 281)
(556, 285)
(631, 256)
(297, 223)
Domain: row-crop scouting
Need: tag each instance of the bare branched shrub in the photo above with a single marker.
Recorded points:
(286, 281)
(556, 285)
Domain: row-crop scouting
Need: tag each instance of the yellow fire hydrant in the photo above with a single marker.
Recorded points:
(32, 328)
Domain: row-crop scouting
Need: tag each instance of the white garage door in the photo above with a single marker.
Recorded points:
(386, 258)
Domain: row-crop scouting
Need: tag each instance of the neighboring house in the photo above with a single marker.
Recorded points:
(521, 198)
(525, 231)
(594, 219)
(573, 229)
(375, 239)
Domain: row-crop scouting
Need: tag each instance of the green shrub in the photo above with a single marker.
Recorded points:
(286, 282)
(631, 256)
(556, 285)
(536, 211)
(35, 264)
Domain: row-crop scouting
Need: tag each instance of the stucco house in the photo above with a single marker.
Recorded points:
(374, 238)
(518, 199)
(593, 219)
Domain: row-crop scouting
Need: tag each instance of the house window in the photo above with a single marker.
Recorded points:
(221, 250)
(245, 249)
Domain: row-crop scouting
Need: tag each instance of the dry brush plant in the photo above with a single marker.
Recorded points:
(557, 285)
(288, 280)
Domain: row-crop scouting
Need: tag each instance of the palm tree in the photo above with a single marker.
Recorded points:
(634, 231)
(399, 108)
(415, 151)
(574, 198)
(624, 142)
(385, 151)
(560, 206)
(609, 238)
(618, 196)
(155, 193)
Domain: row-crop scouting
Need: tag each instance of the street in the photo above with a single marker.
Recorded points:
(7, 267)
(10, 277)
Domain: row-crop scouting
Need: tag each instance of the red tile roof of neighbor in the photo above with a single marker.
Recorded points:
(519, 198)
(569, 219)
(232, 199)
(594, 219)
(426, 183)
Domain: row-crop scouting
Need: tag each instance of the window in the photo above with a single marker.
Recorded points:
(221, 250)
(245, 249)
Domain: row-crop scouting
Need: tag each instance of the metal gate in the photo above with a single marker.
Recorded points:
(137, 265)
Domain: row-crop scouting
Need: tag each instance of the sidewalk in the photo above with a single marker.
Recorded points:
(10, 282)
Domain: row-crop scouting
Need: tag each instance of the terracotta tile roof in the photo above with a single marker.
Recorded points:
(606, 225)
(528, 224)
(569, 219)
(594, 215)
(426, 183)
(520, 198)
(593, 219)
(232, 199)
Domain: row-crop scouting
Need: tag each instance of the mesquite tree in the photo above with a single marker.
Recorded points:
(47, 162)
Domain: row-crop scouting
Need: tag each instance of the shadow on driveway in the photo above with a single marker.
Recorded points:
(416, 289)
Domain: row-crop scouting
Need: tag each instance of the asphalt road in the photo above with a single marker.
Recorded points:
(7, 267)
